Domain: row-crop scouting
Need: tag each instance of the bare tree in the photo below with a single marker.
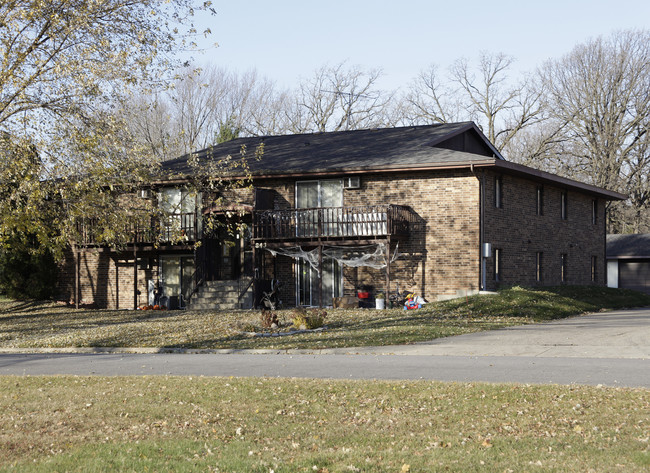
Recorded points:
(599, 100)
(150, 121)
(338, 98)
(203, 104)
(431, 99)
(485, 95)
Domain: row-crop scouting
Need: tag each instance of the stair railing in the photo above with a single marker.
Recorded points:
(242, 293)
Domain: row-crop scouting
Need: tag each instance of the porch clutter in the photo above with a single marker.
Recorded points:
(380, 301)
(345, 302)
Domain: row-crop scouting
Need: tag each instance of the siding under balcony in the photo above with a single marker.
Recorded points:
(333, 223)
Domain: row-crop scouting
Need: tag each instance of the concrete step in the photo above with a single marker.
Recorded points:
(226, 300)
(212, 306)
(222, 295)
(227, 283)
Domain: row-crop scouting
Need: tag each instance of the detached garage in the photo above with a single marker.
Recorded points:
(628, 261)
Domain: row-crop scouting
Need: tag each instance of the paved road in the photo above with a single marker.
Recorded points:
(610, 372)
(608, 348)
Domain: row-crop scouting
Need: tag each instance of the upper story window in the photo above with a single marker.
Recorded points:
(594, 211)
(173, 200)
(498, 192)
(179, 208)
(564, 205)
(322, 193)
(540, 200)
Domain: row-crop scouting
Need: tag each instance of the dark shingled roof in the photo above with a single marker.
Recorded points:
(410, 149)
(628, 246)
(386, 148)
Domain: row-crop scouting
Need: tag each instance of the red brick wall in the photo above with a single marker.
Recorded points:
(105, 278)
(520, 233)
(441, 257)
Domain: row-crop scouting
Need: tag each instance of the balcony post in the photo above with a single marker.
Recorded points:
(76, 275)
(387, 267)
(135, 273)
(320, 275)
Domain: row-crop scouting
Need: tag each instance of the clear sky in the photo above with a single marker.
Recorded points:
(286, 40)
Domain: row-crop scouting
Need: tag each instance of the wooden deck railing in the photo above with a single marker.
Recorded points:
(175, 228)
(332, 222)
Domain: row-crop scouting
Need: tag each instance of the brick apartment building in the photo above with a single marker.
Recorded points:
(433, 210)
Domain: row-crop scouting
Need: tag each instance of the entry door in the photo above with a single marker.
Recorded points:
(177, 272)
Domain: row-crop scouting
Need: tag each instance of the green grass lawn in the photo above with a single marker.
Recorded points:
(184, 424)
(47, 325)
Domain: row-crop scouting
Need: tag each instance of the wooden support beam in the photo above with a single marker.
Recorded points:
(255, 277)
(387, 269)
(320, 276)
(117, 283)
(135, 277)
(76, 276)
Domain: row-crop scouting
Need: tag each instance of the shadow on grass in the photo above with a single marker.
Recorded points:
(40, 324)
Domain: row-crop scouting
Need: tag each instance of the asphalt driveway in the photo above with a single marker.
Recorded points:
(617, 334)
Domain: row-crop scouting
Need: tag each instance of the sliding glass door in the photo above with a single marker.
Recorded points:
(308, 288)
(315, 195)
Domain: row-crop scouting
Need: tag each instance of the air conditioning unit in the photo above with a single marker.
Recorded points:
(352, 182)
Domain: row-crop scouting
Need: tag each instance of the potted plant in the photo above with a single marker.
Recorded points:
(380, 301)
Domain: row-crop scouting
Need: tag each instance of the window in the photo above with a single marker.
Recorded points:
(563, 205)
(593, 269)
(538, 266)
(563, 267)
(497, 264)
(540, 200)
(179, 209)
(594, 211)
(326, 193)
(498, 192)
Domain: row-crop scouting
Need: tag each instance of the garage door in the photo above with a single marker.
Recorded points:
(634, 275)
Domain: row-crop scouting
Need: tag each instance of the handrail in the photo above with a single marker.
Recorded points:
(180, 227)
(242, 293)
(330, 222)
(197, 278)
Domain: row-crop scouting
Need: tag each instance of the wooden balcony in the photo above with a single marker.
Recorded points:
(333, 223)
(176, 229)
